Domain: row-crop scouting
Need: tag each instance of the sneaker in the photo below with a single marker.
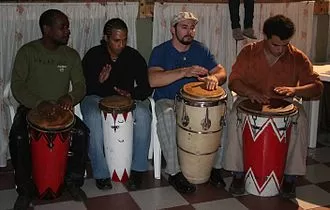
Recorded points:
(288, 189)
(237, 34)
(22, 202)
(249, 32)
(103, 184)
(135, 180)
(76, 193)
(237, 186)
(216, 178)
(181, 184)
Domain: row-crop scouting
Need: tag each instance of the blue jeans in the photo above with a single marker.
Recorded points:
(141, 136)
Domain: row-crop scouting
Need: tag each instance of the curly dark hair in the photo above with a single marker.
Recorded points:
(280, 26)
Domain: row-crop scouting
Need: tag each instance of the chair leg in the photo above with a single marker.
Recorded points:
(157, 159)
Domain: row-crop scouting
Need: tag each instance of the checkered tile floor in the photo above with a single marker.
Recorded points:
(313, 192)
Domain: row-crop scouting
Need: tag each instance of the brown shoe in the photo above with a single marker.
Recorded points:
(249, 32)
(237, 34)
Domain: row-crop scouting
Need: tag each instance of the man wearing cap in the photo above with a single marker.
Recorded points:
(172, 64)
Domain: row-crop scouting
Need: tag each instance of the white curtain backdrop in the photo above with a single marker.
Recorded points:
(20, 24)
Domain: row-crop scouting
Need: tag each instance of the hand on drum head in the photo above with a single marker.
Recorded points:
(122, 92)
(65, 102)
(211, 82)
(47, 109)
(257, 97)
(195, 71)
(285, 91)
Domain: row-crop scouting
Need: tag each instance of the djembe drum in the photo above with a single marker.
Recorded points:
(200, 116)
(50, 138)
(117, 121)
(266, 135)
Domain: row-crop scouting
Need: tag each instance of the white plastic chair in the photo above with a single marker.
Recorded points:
(12, 104)
(7, 98)
(154, 149)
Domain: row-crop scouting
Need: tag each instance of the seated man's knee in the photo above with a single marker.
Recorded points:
(89, 106)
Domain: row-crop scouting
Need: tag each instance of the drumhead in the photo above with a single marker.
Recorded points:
(62, 120)
(198, 92)
(276, 107)
(116, 104)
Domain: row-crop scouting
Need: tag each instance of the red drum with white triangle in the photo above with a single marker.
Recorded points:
(50, 142)
(266, 139)
(117, 121)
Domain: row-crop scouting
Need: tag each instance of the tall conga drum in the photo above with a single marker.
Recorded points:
(266, 135)
(50, 138)
(200, 116)
(117, 121)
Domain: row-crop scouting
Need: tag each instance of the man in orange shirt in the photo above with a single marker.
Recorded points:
(272, 68)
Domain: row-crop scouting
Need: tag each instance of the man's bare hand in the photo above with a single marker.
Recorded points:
(195, 71)
(104, 74)
(65, 102)
(122, 92)
(46, 108)
(211, 82)
(285, 91)
(255, 96)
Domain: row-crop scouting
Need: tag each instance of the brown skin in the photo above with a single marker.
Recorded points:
(274, 48)
(116, 43)
(182, 36)
(53, 37)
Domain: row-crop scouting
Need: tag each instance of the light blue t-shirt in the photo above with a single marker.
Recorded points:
(168, 58)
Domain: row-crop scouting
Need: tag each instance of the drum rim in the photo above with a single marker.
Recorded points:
(203, 103)
(117, 110)
(49, 130)
(292, 112)
(211, 98)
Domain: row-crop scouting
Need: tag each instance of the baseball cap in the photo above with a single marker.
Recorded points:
(183, 16)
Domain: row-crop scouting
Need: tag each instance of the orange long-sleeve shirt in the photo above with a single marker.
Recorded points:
(292, 69)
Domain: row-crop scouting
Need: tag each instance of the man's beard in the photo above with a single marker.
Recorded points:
(182, 41)
(185, 42)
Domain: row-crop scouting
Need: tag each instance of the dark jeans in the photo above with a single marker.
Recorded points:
(19, 146)
(248, 13)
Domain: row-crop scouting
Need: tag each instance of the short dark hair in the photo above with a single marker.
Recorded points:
(48, 18)
(280, 26)
(114, 23)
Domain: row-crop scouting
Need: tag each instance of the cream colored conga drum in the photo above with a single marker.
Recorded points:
(117, 121)
(200, 116)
